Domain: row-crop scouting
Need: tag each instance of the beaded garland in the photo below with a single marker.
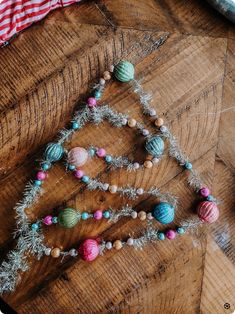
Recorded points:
(30, 237)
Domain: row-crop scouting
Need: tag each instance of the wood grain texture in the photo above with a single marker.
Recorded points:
(45, 73)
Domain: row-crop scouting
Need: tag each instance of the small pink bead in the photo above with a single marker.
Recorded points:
(47, 220)
(205, 192)
(98, 214)
(91, 102)
(101, 152)
(79, 174)
(41, 175)
(170, 234)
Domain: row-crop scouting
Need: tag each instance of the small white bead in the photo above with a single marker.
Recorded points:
(112, 189)
(47, 251)
(134, 214)
(139, 191)
(108, 245)
(149, 216)
(155, 160)
(130, 241)
(111, 68)
(145, 132)
(136, 165)
(102, 81)
(106, 186)
(73, 252)
(152, 112)
(163, 128)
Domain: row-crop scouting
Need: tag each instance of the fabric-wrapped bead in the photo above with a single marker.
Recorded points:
(68, 218)
(77, 156)
(155, 146)
(164, 213)
(89, 250)
(53, 152)
(208, 211)
(124, 71)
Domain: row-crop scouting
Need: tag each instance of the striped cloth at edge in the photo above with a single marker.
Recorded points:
(16, 15)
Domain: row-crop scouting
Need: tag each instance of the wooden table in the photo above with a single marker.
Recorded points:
(44, 74)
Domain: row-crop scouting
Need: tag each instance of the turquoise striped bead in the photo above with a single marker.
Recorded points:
(164, 213)
(53, 152)
(155, 146)
(124, 71)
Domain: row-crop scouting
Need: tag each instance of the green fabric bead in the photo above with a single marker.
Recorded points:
(155, 146)
(124, 71)
(68, 218)
(53, 152)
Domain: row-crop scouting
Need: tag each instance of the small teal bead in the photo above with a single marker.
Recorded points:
(71, 167)
(161, 236)
(37, 182)
(54, 220)
(106, 214)
(155, 146)
(34, 227)
(180, 230)
(108, 158)
(164, 213)
(53, 152)
(85, 216)
(92, 152)
(85, 179)
(45, 166)
(124, 71)
(75, 125)
(97, 94)
(188, 165)
(210, 198)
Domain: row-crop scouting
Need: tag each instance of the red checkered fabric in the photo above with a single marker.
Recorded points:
(16, 15)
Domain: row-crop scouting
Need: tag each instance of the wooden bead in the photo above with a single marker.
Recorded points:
(148, 164)
(113, 189)
(159, 122)
(131, 123)
(142, 215)
(117, 244)
(55, 252)
(107, 75)
(149, 157)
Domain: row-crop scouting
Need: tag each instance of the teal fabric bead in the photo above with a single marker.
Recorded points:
(188, 165)
(155, 146)
(97, 94)
(180, 230)
(108, 158)
(71, 167)
(84, 216)
(45, 166)
(106, 214)
(37, 182)
(75, 125)
(124, 71)
(85, 179)
(53, 152)
(54, 220)
(161, 236)
(34, 227)
(164, 213)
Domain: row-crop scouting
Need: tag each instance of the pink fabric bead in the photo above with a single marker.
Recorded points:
(79, 173)
(208, 211)
(205, 192)
(101, 152)
(98, 214)
(89, 250)
(78, 156)
(47, 220)
(41, 175)
(170, 234)
(91, 102)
